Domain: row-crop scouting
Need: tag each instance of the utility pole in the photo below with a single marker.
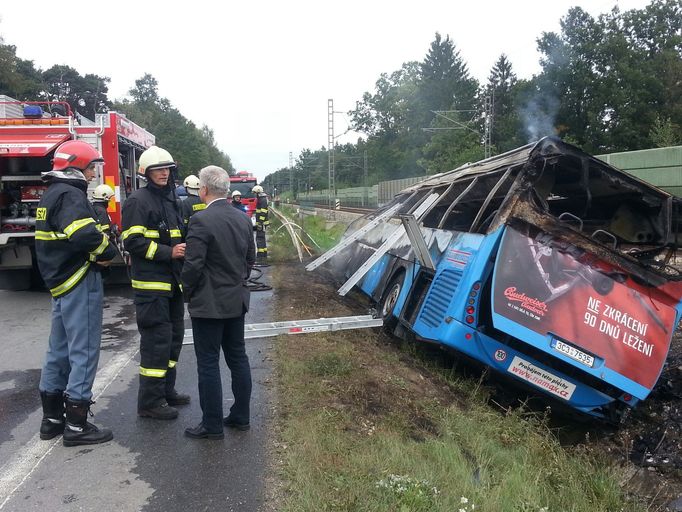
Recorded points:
(488, 127)
(330, 151)
(291, 174)
(364, 179)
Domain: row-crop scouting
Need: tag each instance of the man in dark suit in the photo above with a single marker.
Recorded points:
(218, 259)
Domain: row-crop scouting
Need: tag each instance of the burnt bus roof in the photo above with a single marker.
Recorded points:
(566, 193)
(544, 148)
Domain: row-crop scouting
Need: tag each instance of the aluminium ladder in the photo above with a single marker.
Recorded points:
(352, 238)
(390, 241)
(264, 330)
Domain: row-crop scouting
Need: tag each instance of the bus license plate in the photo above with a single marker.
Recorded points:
(573, 353)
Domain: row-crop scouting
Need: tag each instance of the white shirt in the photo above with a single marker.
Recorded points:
(219, 199)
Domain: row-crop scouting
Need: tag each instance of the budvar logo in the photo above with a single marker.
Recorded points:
(529, 303)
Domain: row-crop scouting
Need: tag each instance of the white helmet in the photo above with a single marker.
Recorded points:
(191, 183)
(103, 192)
(257, 189)
(155, 158)
(236, 193)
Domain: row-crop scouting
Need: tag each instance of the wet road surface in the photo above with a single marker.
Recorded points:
(150, 465)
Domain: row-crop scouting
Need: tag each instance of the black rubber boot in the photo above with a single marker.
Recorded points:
(172, 396)
(53, 414)
(162, 411)
(78, 430)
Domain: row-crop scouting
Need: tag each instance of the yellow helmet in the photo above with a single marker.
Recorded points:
(103, 192)
(155, 158)
(257, 189)
(192, 182)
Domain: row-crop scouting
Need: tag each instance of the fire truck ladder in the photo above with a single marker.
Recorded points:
(341, 323)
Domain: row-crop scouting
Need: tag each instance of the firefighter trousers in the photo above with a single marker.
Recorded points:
(261, 247)
(160, 321)
(75, 336)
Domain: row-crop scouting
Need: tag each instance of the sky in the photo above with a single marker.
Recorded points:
(260, 73)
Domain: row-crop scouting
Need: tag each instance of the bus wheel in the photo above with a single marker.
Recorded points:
(389, 300)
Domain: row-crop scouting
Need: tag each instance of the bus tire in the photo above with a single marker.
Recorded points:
(389, 300)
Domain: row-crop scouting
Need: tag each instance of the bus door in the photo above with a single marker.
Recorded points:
(441, 298)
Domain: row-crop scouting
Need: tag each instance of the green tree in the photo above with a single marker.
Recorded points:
(665, 133)
(398, 114)
(86, 95)
(502, 90)
(19, 78)
(612, 76)
(445, 85)
(388, 110)
(445, 82)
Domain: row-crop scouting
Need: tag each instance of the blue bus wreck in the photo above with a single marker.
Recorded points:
(545, 264)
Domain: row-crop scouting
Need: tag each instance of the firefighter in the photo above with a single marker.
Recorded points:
(70, 250)
(100, 201)
(153, 235)
(262, 223)
(192, 203)
(237, 201)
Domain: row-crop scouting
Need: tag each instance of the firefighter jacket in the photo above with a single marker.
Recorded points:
(152, 225)
(190, 206)
(262, 211)
(68, 236)
(103, 218)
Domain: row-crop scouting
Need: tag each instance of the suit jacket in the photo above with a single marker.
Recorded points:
(218, 259)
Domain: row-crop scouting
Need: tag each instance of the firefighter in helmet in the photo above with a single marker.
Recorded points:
(192, 203)
(237, 201)
(153, 234)
(70, 251)
(262, 223)
(100, 201)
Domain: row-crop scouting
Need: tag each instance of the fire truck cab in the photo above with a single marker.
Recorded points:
(244, 182)
(29, 134)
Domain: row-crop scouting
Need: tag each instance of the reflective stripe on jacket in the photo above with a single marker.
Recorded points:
(262, 210)
(68, 236)
(190, 206)
(103, 218)
(152, 224)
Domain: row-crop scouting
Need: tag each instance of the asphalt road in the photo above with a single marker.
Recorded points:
(150, 465)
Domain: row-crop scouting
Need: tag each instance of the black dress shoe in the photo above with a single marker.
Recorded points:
(200, 432)
(230, 423)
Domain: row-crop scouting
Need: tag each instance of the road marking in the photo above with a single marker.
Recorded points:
(21, 466)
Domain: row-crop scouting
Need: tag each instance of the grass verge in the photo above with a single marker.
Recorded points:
(364, 426)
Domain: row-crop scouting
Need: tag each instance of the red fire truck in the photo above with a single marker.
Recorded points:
(244, 182)
(29, 134)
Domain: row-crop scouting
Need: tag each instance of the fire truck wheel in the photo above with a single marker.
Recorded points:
(15, 280)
